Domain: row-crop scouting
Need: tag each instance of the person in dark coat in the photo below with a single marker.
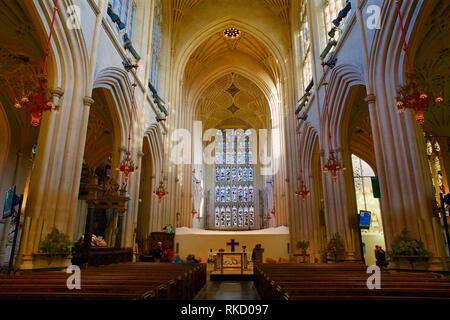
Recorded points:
(380, 256)
(157, 252)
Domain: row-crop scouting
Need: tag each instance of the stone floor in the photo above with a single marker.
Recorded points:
(228, 290)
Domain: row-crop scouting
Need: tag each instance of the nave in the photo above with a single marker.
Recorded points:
(149, 139)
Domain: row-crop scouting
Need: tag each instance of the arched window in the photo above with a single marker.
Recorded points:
(305, 47)
(156, 44)
(434, 161)
(331, 10)
(126, 10)
(363, 175)
(234, 179)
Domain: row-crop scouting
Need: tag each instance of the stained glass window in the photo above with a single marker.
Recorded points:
(126, 10)
(234, 173)
(156, 45)
(331, 10)
(305, 47)
(119, 8)
(133, 13)
(433, 150)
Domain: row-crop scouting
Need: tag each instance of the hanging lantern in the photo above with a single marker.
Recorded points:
(333, 165)
(413, 95)
(38, 100)
(304, 191)
(161, 192)
(127, 166)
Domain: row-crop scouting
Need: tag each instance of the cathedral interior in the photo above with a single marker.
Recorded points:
(241, 140)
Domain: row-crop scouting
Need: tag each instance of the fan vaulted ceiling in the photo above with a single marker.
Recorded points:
(432, 63)
(218, 47)
(250, 110)
(279, 7)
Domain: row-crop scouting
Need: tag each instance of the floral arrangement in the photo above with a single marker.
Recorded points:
(303, 246)
(335, 244)
(405, 246)
(56, 243)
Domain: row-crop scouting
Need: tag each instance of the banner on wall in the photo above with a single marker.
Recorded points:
(8, 204)
(376, 187)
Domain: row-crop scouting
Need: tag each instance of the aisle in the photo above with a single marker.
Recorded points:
(228, 290)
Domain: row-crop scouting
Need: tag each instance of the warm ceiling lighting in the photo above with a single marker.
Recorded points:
(232, 33)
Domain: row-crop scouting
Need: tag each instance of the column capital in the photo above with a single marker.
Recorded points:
(88, 101)
(57, 92)
(122, 149)
(370, 99)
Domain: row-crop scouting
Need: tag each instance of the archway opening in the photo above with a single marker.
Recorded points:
(368, 205)
(101, 156)
(364, 182)
(236, 108)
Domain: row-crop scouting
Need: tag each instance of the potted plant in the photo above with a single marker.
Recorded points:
(54, 251)
(302, 246)
(409, 253)
(168, 229)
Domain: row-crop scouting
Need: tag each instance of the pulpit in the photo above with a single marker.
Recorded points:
(102, 193)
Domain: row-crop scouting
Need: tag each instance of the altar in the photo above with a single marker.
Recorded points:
(231, 261)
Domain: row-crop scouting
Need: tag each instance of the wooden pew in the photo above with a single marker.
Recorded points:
(344, 282)
(162, 281)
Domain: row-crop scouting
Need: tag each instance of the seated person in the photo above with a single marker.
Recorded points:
(167, 255)
(380, 256)
(177, 260)
(157, 252)
(190, 259)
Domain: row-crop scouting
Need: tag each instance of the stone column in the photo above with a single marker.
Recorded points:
(40, 205)
(405, 178)
(340, 206)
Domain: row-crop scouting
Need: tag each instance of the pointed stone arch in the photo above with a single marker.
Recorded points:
(407, 198)
(150, 214)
